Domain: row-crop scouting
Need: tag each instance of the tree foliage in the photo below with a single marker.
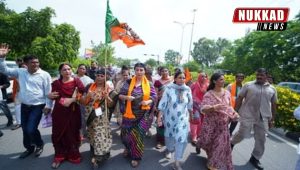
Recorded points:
(104, 52)
(32, 32)
(123, 62)
(205, 52)
(192, 65)
(172, 57)
(151, 62)
(276, 51)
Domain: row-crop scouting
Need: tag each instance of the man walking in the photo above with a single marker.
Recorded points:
(234, 89)
(35, 85)
(256, 105)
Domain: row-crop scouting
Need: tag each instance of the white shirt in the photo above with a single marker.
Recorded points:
(34, 88)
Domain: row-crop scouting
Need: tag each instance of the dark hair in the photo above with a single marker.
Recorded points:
(125, 68)
(27, 58)
(262, 70)
(149, 71)
(177, 74)
(163, 68)
(177, 70)
(239, 74)
(213, 80)
(101, 71)
(80, 66)
(140, 65)
(61, 66)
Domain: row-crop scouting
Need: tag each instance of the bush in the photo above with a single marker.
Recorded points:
(287, 103)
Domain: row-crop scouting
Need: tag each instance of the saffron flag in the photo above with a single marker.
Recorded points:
(114, 30)
(88, 53)
(188, 75)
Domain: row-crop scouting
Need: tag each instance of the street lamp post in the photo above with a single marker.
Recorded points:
(193, 23)
(182, 27)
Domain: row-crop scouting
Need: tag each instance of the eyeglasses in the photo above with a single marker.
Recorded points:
(181, 78)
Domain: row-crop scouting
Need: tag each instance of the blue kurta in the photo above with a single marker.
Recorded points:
(175, 103)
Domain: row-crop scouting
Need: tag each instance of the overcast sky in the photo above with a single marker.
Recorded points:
(153, 21)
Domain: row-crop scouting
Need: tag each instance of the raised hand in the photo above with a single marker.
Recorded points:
(4, 49)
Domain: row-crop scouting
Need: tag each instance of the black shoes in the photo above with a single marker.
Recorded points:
(25, 154)
(256, 163)
(38, 151)
(9, 123)
(1, 133)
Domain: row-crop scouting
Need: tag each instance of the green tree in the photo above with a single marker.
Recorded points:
(205, 52)
(67, 36)
(192, 65)
(171, 57)
(276, 51)
(123, 62)
(60, 46)
(151, 62)
(103, 51)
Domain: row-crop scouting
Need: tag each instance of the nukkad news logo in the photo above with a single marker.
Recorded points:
(268, 19)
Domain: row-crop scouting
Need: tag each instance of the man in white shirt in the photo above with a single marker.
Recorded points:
(35, 85)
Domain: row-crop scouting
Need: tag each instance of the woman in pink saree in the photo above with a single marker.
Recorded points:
(214, 138)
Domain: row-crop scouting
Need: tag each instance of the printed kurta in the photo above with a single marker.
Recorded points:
(214, 138)
(174, 104)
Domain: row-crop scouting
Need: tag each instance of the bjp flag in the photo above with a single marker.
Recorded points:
(114, 30)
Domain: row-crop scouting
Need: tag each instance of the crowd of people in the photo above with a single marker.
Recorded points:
(82, 104)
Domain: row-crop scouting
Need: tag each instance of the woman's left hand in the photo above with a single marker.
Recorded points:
(236, 116)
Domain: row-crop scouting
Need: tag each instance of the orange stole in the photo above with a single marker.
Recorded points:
(233, 94)
(146, 91)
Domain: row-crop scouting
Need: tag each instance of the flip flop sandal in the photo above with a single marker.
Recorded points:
(134, 163)
(55, 164)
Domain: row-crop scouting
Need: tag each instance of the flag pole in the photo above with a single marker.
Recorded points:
(105, 86)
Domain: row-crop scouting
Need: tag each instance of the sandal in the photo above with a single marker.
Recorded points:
(55, 164)
(125, 153)
(134, 163)
(194, 143)
(158, 146)
(94, 163)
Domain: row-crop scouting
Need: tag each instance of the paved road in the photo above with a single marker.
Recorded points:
(280, 154)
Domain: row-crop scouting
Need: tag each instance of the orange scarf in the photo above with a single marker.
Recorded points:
(93, 87)
(188, 75)
(233, 94)
(146, 91)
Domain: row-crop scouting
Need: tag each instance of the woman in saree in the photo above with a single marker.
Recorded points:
(125, 76)
(138, 97)
(98, 129)
(214, 138)
(66, 117)
(160, 85)
(198, 90)
(176, 106)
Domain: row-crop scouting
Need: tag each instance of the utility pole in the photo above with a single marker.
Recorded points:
(182, 27)
(193, 23)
